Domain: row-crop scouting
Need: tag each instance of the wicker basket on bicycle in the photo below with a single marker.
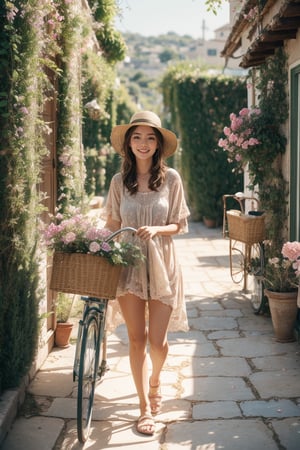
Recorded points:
(84, 274)
(245, 228)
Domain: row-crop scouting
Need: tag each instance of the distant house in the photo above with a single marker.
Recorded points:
(145, 55)
(210, 50)
(254, 36)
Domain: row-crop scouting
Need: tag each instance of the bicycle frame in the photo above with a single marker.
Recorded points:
(241, 254)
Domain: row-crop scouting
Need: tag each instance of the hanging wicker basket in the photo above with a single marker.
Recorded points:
(83, 274)
(245, 228)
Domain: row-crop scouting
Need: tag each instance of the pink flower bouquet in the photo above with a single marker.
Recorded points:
(76, 233)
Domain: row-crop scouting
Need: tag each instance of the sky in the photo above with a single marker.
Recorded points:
(154, 17)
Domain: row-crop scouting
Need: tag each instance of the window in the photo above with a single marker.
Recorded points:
(211, 52)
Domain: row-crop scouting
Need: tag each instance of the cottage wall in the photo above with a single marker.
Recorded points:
(292, 49)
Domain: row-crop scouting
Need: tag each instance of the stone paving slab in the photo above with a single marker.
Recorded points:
(288, 431)
(112, 434)
(193, 349)
(209, 305)
(209, 323)
(35, 433)
(222, 366)
(216, 388)
(60, 358)
(282, 384)
(216, 410)
(56, 383)
(272, 408)
(220, 434)
(191, 336)
(279, 362)
(227, 334)
(255, 323)
(226, 313)
(253, 346)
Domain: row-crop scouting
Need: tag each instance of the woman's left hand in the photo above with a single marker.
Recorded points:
(146, 233)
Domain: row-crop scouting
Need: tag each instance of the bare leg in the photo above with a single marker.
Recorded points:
(159, 317)
(133, 310)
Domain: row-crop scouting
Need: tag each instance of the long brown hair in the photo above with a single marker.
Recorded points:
(158, 168)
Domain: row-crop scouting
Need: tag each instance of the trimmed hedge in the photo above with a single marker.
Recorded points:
(200, 106)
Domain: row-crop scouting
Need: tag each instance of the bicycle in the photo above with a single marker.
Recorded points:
(246, 248)
(90, 349)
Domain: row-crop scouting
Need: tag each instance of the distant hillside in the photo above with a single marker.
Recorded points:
(152, 54)
(148, 57)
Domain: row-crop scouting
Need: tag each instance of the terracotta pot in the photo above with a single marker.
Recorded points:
(283, 308)
(209, 223)
(63, 333)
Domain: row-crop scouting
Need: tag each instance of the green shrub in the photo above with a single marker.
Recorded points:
(199, 106)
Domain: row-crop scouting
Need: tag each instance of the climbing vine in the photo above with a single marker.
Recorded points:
(266, 165)
(26, 49)
(36, 38)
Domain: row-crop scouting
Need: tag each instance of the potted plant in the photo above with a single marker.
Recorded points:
(281, 280)
(63, 330)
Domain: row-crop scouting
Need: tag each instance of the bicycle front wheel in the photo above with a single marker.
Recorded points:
(237, 261)
(87, 378)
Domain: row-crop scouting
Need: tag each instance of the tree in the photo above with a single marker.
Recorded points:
(167, 55)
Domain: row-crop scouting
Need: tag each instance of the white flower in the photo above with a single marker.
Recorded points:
(94, 247)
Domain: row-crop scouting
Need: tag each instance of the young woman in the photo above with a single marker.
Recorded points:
(148, 196)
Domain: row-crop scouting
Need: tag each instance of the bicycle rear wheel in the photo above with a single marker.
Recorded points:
(256, 285)
(87, 375)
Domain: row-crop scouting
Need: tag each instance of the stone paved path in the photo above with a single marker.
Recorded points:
(227, 383)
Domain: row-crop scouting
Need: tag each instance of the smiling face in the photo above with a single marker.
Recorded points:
(143, 142)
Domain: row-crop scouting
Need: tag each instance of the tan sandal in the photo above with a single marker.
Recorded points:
(155, 398)
(146, 425)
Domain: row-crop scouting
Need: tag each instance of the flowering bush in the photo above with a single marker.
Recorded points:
(239, 142)
(291, 251)
(282, 272)
(76, 233)
(252, 14)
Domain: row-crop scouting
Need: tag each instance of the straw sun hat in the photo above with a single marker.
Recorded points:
(147, 118)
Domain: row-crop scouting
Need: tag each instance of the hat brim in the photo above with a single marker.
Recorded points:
(118, 135)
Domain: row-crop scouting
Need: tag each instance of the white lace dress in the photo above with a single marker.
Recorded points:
(159, 277)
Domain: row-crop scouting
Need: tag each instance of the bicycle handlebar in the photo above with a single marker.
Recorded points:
(121, 230)
(239, 196)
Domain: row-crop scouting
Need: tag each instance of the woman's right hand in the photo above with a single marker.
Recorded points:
(112, 225)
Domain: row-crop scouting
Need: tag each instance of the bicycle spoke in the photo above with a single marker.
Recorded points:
(256, 271)
(87, 378)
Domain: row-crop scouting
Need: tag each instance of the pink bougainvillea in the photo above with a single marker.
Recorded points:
(291, 250)
(238, 136)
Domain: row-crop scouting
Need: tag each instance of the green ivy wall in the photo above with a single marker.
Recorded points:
(37, 38)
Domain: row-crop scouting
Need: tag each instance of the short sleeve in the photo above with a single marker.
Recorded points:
(112, 205)
(178, 210)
